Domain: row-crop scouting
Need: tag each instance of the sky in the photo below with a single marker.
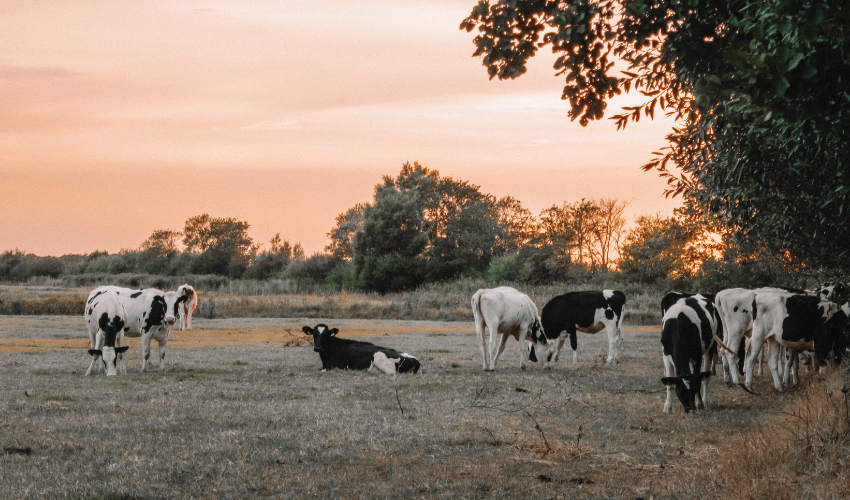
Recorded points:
(119, 118)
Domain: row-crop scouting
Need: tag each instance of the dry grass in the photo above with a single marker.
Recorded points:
(244, 412)
(278, 300)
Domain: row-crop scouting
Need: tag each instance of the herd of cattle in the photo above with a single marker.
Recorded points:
(735, 326)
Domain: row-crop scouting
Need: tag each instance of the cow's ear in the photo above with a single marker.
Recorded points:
(334, 331)
(307, 330)
(122, 349)
(702, 376)
(95, 352)
(670, 381)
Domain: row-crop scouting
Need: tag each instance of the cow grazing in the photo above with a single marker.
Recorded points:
(354, 355)
(188, 306)
(150, 315)
(796, 322)
(587, 312)
(689, 349)
(672, 297)
(105, 319)
(509, 313)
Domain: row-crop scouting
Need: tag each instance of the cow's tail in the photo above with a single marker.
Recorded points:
(479, 318)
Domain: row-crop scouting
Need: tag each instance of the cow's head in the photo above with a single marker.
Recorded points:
(320, 334)
(540, 348)
(186, 290)
(832, 291)
(172, 303)
(687, 388)
(109, 357)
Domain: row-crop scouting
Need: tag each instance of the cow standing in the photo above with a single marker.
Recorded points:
(355, 355)
(150, 315)
(188, 306)
(586, 312)
(736, 306)
(105, 319)
(510, 313)
(689, 349)
(796, 322)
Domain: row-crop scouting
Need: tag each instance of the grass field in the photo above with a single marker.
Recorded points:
(243, 411)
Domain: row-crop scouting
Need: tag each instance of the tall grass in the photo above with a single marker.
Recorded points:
(225, 298)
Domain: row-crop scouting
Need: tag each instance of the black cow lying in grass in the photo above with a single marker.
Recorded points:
(354, 355)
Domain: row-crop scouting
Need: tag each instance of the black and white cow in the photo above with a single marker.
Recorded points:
(587, 312)
(688, 345)
(355, 355)
(105, 319)
(837, 338)
(510, 313)
(672, 297)
(796, 322)
(150, 315)
(188, 307)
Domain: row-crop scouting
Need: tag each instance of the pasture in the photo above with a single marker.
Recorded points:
(244, 412)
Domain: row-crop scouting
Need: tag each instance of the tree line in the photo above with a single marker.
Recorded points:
(423, 227)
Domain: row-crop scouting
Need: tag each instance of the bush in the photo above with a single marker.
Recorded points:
(314, 270)
(507, 267)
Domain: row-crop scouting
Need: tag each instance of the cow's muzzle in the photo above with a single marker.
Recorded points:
(170, 321)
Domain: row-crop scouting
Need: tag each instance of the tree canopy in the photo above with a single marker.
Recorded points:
(761, 92)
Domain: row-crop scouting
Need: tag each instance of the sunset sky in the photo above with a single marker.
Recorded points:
(122, 117)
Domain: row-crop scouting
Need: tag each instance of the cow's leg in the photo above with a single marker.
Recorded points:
(789, 367)
(146, 348)
(496, 350)
(189, 319)
(761, 355)
(615, 342)
(574, 343)
(730, 366)
(707, 364)
(773, 353)
(162, 344)
(119, 342)
(523, 353)
(669, 371)
(559, 343)
(95, 341)
(482, 344)
(756, 341)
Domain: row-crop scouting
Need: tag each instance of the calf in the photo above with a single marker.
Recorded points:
(105, 319)
(353, 355)
(796, 322)
(150, 315)
(188, 306)
(511, 313)
(587, 312)
(688, 349)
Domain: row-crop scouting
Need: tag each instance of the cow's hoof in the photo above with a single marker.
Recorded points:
(522, 367)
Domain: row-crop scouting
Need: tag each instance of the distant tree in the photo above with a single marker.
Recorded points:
(342, 235)
(518, 224)
(196, 237)
(224, 244)
(161, 243)
(387, 250)
(657, 248)
(468, 242)
(609, 229)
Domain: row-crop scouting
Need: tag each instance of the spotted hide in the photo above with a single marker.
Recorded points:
(354, 355)
(150, 315)
(586, 312)
(689, 349)
(796, 322)
(105, 319)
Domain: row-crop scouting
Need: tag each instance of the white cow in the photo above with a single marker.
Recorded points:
(105, 319)
(188, 307)
(510, 313)
(150, 315)
(735, 306)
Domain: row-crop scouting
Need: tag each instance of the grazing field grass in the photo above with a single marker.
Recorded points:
(243, 411)
(280, 299)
